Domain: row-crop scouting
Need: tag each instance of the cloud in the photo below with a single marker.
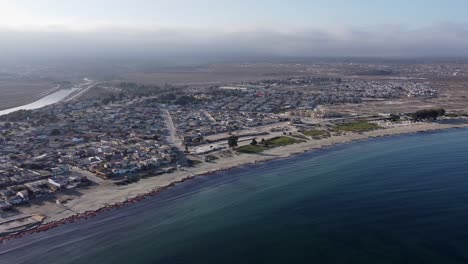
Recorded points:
(109, 41)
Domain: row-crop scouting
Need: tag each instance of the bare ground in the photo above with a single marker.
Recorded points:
(16, 93)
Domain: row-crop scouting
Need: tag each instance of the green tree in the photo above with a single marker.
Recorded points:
(232, 141)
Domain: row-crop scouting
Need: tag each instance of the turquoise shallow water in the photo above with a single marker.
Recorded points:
(402, 199)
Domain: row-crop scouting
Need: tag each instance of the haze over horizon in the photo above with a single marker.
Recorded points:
(52, 29)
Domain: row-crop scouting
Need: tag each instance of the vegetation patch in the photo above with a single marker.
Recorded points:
(300, 136)
(268, 144)
(359, 126)
(315, 133)
(250, 149)
(280, 141)
(428, 114)
(211, 158)
(453, 115)
(194, 162)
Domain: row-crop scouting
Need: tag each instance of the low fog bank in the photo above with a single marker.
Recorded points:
(169, 45)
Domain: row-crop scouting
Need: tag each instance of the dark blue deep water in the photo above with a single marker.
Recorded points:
(402, 199)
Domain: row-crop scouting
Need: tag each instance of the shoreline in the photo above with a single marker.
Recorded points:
(107, 197)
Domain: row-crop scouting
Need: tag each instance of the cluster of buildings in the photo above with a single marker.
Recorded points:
(238, 106)
(386, 90)
(116, 157)
(38, 148)
(20, 182)
(129, 134)
(273, 96)
(194, 124)
(271, 99)
(434, 69)
(407, 69)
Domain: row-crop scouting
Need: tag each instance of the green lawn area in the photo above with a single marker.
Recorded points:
(267, 144)
(211, 158)
(250, 149)
(280, 141)
(194, 162)
(300, 136)
(453, 115)
(314, 133)
(359, 126)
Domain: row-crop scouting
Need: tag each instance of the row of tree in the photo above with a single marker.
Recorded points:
(428, 114)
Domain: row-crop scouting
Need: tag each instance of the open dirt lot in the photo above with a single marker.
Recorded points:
(15, 93)
(216, 74)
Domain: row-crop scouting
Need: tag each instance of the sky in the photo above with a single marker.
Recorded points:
(61, 28)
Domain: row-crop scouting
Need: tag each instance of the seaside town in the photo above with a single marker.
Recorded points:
(132, 132)
(206, 132)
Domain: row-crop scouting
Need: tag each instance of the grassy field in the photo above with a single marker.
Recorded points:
(16, 93)
(300, 136)
(251, 149)
(280, 141)
(195, 162)
(315, 133)
(267, 144)
(359, 126)
(211, 158)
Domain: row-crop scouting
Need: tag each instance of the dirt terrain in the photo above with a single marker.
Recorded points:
(19, 92)
(217, 74)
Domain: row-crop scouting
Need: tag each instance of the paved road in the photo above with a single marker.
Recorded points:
(83, 87)
(173, 139)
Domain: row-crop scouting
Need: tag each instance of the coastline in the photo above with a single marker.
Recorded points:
(107, 196)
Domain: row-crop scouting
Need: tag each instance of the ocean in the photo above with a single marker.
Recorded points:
(401, 199)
